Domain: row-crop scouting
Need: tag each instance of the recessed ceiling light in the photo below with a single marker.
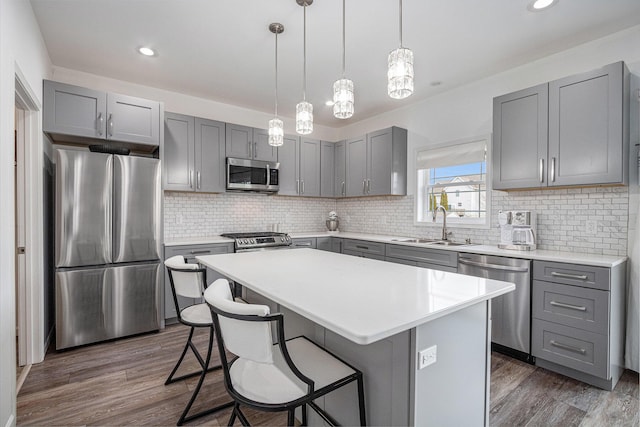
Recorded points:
(538, 5)
(146, 51)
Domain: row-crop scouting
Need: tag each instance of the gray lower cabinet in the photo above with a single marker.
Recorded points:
(73, 114)
(376, 164)
(193, 154)
(578, 321)
(570, 131)
(363, 249)
(435, 259)
(189, 252)
(248, 143)
(324, 244)
(304, 242)
(299, 160)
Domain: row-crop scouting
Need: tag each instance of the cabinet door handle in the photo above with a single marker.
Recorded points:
(100, 122)
(572, 307)
(364, 186)
(342, 191)
(190, 178)
(541, 172)
(110, 124)
(302, 186)
(198, 180)
(568, 347)
(255, 149)
(368, 186)
(569, 276)
(553, 169)
(249, 144)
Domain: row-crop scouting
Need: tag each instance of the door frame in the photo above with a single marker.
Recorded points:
(30, 299)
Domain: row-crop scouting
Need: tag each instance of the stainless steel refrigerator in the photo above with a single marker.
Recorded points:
(108, 246)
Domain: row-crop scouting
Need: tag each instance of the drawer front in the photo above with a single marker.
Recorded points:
(363, 246)
(309, 242)
(433, 256)
(574, 348)
(400, 261)
(573, 306)
(192, 251)
(572, 274)
(437, 267)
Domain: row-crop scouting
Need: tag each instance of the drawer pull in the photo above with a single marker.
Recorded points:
(568, 347)
(362, 247)
(569, 276)
(563, 305)
(206, 251)
(303, 244)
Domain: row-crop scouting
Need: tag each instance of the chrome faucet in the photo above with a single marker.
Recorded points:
(444, 220)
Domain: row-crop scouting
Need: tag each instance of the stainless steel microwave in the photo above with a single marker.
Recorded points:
(252, 175)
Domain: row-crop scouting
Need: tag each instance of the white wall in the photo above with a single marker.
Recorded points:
(21, 47)
(185, 104)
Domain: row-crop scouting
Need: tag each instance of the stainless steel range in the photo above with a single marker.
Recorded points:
(259, 240)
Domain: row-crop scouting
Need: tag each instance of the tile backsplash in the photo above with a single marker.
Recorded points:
(561, 218)
(202, 215)
(561, 215)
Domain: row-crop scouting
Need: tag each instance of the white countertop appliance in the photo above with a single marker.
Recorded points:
(517, 230)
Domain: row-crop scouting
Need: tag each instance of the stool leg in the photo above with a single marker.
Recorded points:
(184, 351)
(304, 415)
(363, 416)
(291, 418)
(201, 380)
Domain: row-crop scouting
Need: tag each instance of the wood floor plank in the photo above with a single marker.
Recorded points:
(122, 383)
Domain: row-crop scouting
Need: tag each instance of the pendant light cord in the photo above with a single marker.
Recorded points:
(276, 74)
(304, 54)
(343, 37)
(400, 23)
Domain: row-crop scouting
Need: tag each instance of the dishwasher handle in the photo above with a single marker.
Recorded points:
(493, 266)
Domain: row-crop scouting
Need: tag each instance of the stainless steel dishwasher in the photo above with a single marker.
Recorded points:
(510, 313)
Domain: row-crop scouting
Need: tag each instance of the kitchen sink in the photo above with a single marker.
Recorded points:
(430, 242)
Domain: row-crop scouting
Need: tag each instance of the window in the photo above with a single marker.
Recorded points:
(453, 175)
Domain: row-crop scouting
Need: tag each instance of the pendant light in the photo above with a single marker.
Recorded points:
(400, 71)
(304, 109)
(276, 126)
(343, 98)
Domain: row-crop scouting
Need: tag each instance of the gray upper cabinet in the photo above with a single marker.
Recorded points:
(248, 143)
(340, 169)
(193, 156)
(327, 168)
(377, 163)
(73, 113)
(520, 138)
(571, 131)
(586, 122)
(299, 160)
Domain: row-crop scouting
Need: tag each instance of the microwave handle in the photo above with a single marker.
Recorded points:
(268, 176)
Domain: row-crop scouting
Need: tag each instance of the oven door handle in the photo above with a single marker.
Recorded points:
(268, 176)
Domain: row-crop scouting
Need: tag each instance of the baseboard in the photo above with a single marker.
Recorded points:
(22, 378)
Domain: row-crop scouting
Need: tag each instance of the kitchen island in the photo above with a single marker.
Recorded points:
(380, 316)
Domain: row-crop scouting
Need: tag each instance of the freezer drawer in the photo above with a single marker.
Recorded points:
(97, 304)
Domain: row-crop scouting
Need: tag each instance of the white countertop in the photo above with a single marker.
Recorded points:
(540, 254)
(363, 300)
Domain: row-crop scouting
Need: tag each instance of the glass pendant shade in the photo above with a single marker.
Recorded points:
(276, 132)
(304, 118)
(343, 99)
(400, 73)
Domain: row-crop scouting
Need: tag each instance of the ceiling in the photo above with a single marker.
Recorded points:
(222, 49)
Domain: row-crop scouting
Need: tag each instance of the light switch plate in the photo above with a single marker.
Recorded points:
(427, 356)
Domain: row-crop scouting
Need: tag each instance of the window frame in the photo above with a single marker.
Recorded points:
(454, 222)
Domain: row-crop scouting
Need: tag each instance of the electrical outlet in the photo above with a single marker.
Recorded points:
(427, 357)
(591, 227)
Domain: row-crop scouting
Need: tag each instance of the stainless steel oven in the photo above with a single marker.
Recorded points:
(252, 175)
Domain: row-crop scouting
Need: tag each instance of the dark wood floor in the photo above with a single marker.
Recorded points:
(122, 383)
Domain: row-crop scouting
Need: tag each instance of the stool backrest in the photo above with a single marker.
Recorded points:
(247, 334)
(187, 280)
